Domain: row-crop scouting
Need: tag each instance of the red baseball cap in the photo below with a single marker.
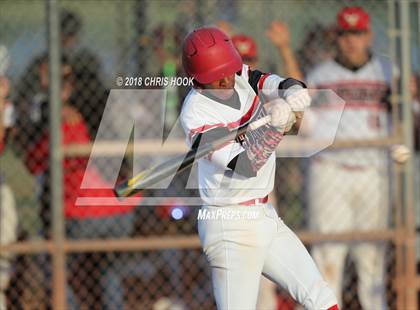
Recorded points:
(245, 45)
(353, 19)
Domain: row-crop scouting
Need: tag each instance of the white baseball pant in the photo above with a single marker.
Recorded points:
(8, 234)
(344, 200)
(267, 295)
(240, 250)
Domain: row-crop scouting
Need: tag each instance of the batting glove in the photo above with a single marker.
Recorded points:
(281, 113)
(297, 98)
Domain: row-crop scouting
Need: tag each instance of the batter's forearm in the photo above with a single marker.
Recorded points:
(258, 150)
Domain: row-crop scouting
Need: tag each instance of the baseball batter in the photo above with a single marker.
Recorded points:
(349, 188)
(239, 176)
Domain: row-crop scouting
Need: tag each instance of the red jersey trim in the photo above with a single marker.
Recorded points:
(202, 129)
(262, 80)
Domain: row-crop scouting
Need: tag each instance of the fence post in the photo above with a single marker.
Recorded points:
(408, 190)
(56, 156)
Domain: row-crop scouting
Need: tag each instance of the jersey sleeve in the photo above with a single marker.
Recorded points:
(389, 70)
(198, 133)
(270, 86)
(192, 126)
(224, 155)
(266, 84)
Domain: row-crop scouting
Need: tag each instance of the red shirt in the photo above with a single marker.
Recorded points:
(74, 170)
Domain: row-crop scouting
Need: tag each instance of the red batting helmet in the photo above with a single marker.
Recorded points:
(353, 19)
(245, 45)
(208, 55)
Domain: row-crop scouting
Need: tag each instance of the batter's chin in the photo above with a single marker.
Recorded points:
(224, 94)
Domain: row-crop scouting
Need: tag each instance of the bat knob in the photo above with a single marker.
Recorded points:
(122, 190)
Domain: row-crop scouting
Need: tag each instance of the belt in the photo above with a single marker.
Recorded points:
(252, 202)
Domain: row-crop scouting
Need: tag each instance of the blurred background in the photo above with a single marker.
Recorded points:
(59, 61)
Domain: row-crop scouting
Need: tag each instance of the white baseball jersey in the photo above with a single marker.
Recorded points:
(365, 114)
(352, 199)
(218, 184)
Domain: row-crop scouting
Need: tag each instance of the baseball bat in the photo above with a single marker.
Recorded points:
(155, 174)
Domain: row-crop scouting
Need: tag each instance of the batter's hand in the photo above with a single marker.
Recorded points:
(281, 113)
(297, 98)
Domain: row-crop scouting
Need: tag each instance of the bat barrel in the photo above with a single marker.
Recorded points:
(157, 174)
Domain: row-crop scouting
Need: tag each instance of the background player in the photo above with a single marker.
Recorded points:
(8, 214)
(240, 175)
(345, 203)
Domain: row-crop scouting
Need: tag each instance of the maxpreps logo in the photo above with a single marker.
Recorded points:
(227, 214)
(135, 123)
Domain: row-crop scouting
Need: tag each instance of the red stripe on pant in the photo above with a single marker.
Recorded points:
(335, 307)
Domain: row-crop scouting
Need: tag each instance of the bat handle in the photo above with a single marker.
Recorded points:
(260, 122)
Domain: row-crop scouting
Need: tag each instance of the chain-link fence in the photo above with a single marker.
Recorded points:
(351, 204)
